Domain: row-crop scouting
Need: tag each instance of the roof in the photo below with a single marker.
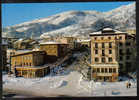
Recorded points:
(85, 40)
(69, 37)
(105, 30)
(33, 67)
(44, 43)
(27, 53)
(9, 38)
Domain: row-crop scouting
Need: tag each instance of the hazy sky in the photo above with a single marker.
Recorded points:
(18, 13)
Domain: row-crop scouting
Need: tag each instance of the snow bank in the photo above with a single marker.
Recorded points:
(69, 84)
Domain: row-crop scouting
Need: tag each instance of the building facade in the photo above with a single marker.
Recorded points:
(68, 40)
(111, 53)
(28, 64)
(85, 43)
(54, 49)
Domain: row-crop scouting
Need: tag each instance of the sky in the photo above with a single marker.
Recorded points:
(14, 13)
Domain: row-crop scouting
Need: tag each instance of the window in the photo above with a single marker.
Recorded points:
(128, 51)
(121, 52)
(95, 38)
(96, 59)
(114, 70)
(121, 66)
(110, 51)
(96, 45)
(109, 38)
(98, 70)
(110, 45)
(110, 59)
(103, 52)
(106, 70)
(121, 58)
(127, 43)
(128, 64)
(103, 60)
(96, 51)
(102, 70)
(110, 70)
(94, 70)
(120, 44)
(127, 57)
(103, 45)
(120, 38)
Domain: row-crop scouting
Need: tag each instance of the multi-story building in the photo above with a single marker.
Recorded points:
(131, 31)
(29, 64)
(9, 41)
(85, 43)
(68, 40)
(54, 50)
(11, 52)
(111, 53)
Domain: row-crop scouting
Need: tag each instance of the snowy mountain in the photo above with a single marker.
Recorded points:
(75, 23)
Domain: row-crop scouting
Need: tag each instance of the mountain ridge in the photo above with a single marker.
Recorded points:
(74, 23)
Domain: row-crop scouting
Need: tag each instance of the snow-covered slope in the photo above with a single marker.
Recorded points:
(76, 23)
(71, 84)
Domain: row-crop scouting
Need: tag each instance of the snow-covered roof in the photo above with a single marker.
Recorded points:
(99, 32)
(33, 67)
(85, 40)
(24, 53)
(118, 32)
(107, 29)
(52, 42)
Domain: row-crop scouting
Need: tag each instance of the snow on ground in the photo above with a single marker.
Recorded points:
(70, 84)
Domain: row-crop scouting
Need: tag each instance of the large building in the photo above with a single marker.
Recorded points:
(111, 53)
(85, 43)
(68, 40)
(11, 52)
(9, 41)
(54, 50)
(29, 64)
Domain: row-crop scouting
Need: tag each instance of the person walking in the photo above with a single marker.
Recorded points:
(127, 84)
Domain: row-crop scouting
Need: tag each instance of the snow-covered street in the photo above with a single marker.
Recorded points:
(70, 84)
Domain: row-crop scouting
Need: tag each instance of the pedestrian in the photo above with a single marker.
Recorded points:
(127, 84)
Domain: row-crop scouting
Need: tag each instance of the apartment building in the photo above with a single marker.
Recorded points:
(68, 40)
(29, 64)
(54, 50)
(85, 43)
(111, 53)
